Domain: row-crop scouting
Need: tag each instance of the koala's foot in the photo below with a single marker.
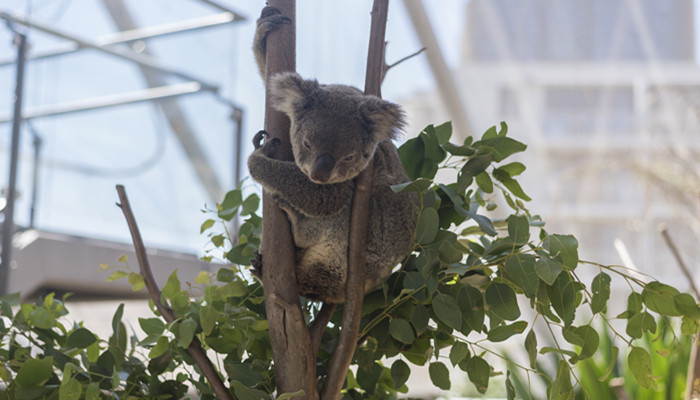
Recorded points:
(257, 265)
(269, 148)
(270, 19)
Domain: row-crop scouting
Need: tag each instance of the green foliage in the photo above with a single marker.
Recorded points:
(460, 290)
(606, 368)
(468, 271)
(41, 356)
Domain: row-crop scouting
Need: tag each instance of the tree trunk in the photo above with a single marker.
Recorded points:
(292, 348)
(295, 361)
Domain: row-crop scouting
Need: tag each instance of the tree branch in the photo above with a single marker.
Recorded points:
(195, 348)
(408, 57)
(357, 251)
(677, 255)
(319, 325)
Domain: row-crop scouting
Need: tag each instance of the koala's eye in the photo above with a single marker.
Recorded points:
(307, 145)
(349, 158)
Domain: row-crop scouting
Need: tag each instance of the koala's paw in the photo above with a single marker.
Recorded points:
(269, 148)
(257, 265)
(270, 19)
(258, 139)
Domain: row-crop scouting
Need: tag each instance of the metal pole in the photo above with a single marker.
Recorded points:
(132, 35)
(36, 142)
(237, 116)
(8, 226)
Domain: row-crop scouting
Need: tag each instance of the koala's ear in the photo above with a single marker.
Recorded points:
(291, 93)
(386, 119)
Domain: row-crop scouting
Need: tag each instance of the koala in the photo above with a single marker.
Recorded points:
(335, 132)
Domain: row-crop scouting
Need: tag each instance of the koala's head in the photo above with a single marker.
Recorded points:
(334, 128)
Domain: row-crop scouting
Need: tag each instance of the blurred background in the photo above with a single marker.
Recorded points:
(163, 96)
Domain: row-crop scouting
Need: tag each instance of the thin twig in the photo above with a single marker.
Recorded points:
(195, 348)
(388, 67)
(679, 259)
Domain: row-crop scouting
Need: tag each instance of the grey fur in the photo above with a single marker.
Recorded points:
(335, 131)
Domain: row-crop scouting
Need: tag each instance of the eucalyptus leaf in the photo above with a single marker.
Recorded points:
(513, 169)
(476, 165)
(420, 318)
(188, 328)
(531, 347)
(501, 146)
(458, 352)
(600, 287)
(504, 332)
(548, 270)
(564, 248)
(639, 362)
(511, 184)
(502, 301)
(418, 185)
(561, 387)
(518, 229)
(562, 295)
(439, 375)
(471, 305)
(443, 132)
(401, 330)
(81, 338)
(521, 270)
(585, 337)
(659, 298)
(686, 304)
(483, 180)
(447, 310)
(428, 225)
(479, 373)
(34, 372)
(400, 371)
(152, 326)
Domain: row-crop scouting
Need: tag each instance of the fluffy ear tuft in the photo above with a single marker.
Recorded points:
(386, 119)
(290, 92)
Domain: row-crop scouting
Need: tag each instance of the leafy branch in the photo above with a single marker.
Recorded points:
(195, 348)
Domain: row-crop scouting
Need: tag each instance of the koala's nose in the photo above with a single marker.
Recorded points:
(321, 171)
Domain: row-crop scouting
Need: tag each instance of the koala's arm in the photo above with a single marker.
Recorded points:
(270, 19)
(285, 179)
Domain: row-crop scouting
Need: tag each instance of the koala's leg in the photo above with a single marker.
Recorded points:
(270, 19)
(321, 274)
(257, 265)
(285, 179)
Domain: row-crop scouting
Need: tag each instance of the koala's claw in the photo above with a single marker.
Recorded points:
(271, 18)
(258, 138)
(257, 265)
(269, 148)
